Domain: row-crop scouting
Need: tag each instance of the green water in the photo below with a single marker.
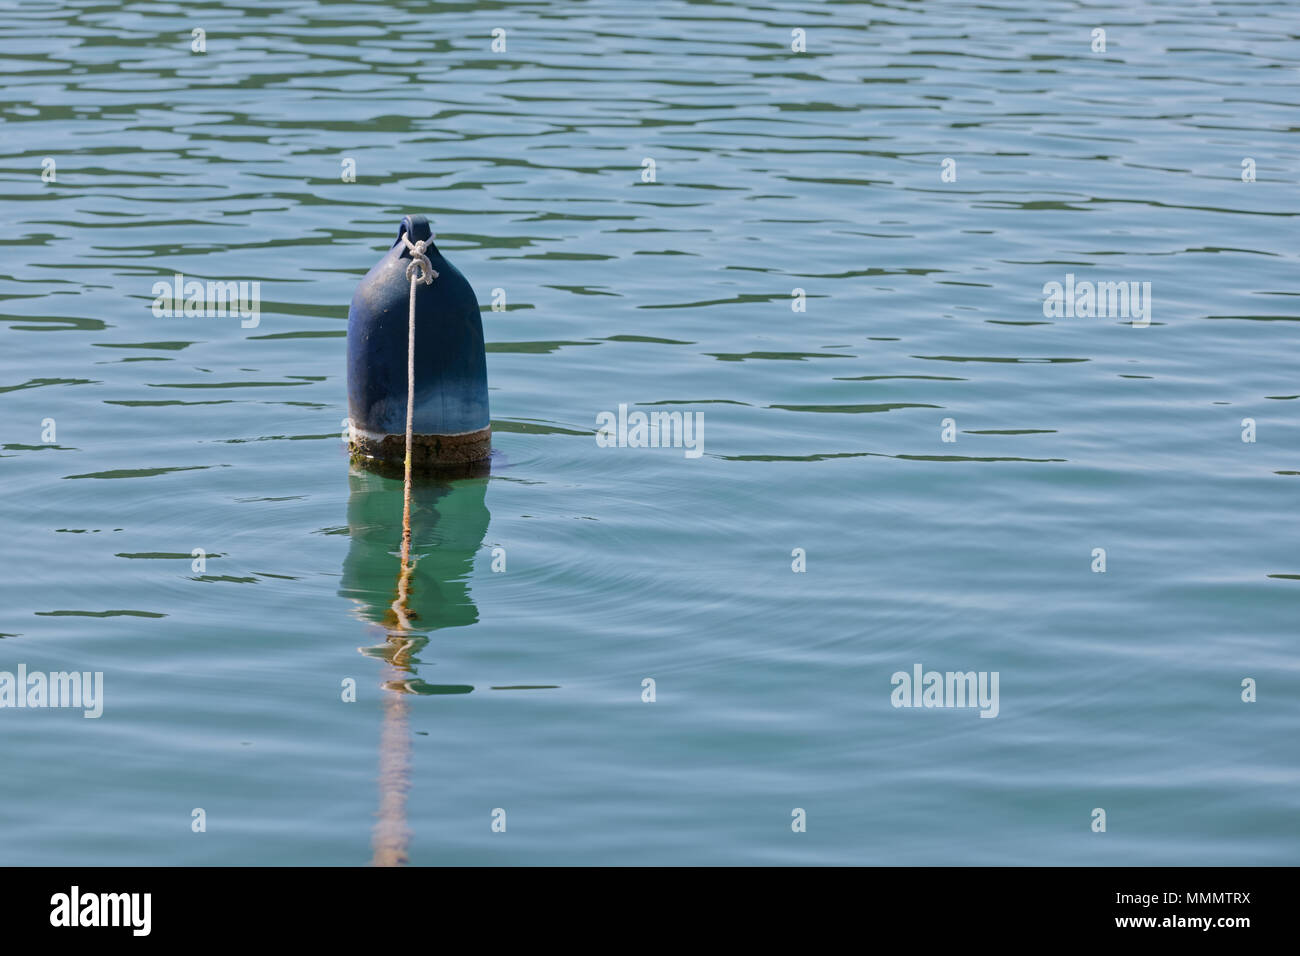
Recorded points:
(520, 688)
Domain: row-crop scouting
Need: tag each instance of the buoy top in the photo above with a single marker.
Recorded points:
(417, 227)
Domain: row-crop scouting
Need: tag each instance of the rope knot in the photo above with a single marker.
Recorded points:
(419, 264)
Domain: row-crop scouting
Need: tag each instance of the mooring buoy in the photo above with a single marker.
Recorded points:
(414, 326)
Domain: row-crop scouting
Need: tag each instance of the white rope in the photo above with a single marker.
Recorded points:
(418, 258)
(419, 269)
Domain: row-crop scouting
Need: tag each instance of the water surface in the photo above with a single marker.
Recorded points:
(774, 171)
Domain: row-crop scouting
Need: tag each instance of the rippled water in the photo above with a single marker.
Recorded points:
(774, 171)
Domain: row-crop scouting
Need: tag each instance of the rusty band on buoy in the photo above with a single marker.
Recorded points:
(430, 454)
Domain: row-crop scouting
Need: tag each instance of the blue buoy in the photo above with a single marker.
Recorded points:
(451, 424)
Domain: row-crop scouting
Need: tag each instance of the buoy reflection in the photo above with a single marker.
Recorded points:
(409, 596)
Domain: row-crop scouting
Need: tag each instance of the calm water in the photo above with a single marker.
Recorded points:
(774, 171)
